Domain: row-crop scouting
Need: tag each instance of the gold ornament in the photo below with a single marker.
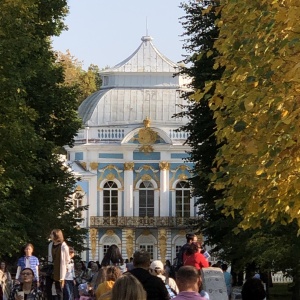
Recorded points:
(128, 166)
(93, 234)
(94, 165)
(129, 242)
(146, 177)
(146, 137)
(164, 165)
(110, 176)
(162, 244)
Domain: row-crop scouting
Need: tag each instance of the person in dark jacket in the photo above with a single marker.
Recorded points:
(154, 286)
(190, 238)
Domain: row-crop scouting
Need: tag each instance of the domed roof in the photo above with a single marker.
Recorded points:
(146, 58)
(143, 85)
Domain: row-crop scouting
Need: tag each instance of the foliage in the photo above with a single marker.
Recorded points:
(85, 82)
(200, 34)
(258, 113)
(38, 117)
(263, 247)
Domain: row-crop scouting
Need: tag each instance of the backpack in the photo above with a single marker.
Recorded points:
(178, 260)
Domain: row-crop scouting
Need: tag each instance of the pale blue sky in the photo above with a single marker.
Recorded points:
(106, 32)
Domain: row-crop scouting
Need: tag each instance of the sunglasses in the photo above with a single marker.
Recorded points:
(27, 274)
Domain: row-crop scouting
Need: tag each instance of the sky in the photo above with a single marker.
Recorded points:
(105, 32)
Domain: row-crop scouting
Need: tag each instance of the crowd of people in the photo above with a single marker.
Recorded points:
(114, 278)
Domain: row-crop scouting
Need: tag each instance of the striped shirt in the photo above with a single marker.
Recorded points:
(29, 262)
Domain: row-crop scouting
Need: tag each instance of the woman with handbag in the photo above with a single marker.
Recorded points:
(58, 255)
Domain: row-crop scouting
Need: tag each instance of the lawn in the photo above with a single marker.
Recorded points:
(280, 291)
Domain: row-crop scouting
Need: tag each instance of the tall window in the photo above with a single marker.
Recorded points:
(110, 199)
(146, 199)
(183, 199)
(149, 248)
(77, 201)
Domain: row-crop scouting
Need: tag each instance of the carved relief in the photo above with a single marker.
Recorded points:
(164, 165)
(93, 235)
(128, 166)
(162, 243)
(129, 242)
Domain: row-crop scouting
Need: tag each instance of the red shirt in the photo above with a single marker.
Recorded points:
(196, 260)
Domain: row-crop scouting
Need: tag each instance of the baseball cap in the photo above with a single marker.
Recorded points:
(157, 264)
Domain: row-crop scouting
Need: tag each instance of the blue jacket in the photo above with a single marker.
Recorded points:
(33, 261)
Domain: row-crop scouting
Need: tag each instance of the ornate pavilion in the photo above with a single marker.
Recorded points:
(130, 158)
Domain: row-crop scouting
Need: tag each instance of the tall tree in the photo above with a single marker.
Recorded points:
(38, 117)
(200, 34)
(258, 115)
(85, 82)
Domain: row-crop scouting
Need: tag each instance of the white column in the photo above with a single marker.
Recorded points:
(128, 189)
(164, 188)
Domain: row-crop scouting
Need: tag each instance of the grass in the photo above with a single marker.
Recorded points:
(280, 291)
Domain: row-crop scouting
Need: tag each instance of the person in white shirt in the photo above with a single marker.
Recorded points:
(157, 269)
(70, 278)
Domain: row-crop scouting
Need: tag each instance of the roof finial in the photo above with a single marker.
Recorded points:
(146, 26)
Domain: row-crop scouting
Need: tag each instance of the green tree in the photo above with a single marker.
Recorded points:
(38, 117)
(85, 82)
(200, 34)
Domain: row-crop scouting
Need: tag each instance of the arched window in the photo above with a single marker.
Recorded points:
(77, 201)
(183, 199)
(146, 199)
(110, 199)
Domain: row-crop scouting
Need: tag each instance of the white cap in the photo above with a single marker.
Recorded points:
(157, 264)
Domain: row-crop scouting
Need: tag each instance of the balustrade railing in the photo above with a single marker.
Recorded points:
(140, 221)
(107, 134)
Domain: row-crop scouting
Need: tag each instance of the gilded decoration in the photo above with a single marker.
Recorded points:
(146, 177)
(146, 137)
(128, 166)
(93, 235)
(142, 170)
(146, 232)
(181, 232)
(146, 168)
(162, 243)
(182, 177)
(110, 176)
(129, 242)
(79, 188)
(164, 166)
(180, 173)
(83, 164)
(94, 166)
(110, 232)
(109, 172)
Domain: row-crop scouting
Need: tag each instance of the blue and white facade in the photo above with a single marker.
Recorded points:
(131, 158)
